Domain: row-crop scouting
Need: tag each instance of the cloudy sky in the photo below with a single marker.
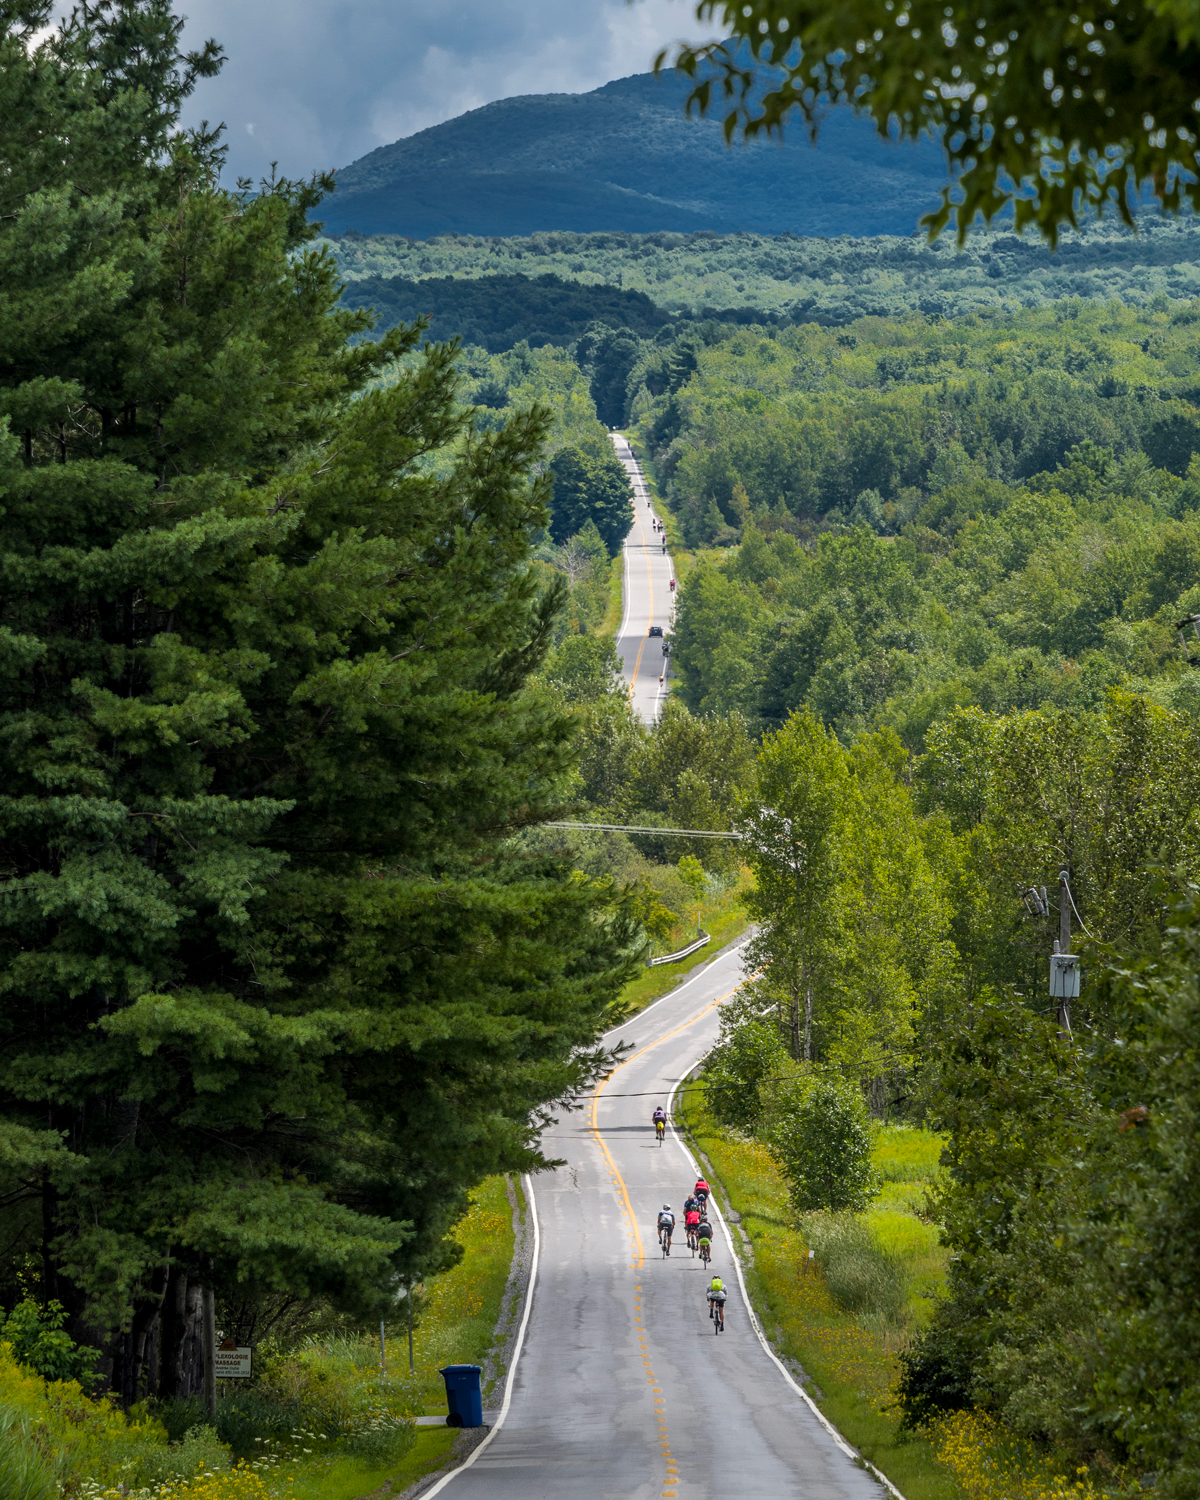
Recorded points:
(316, 83)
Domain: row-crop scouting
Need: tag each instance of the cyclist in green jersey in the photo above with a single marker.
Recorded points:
(716, 1303)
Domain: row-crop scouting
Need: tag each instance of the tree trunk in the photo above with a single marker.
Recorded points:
(179, 1366)
(808, 1009)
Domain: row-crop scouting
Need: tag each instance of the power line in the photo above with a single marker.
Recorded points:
(676, 833)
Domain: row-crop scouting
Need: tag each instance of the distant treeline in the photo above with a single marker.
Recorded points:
(497, 312)
(769, 279)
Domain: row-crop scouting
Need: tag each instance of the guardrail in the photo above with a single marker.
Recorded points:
(673, 958)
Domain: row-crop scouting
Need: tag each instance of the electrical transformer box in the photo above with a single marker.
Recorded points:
(1064, 976)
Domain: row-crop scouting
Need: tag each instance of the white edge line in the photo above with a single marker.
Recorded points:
(516, 1355)
(757, 1326)
(703, 969)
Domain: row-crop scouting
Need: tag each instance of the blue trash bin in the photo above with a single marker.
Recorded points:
(464, 1395)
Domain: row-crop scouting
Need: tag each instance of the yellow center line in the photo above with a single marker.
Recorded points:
(618, 1180)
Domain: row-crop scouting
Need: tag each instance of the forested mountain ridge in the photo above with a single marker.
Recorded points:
(626, 157)
(749, 277)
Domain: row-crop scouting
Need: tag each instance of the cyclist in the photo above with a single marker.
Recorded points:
(660, 1123)
(691, 1221)
(691, 1201)
(701, 1191)
(716, 1303)
(666, 1224)
(704, 1238)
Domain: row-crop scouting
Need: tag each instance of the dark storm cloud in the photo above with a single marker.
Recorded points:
(316, 83)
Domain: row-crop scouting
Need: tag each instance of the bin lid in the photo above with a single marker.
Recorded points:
(461, 1369)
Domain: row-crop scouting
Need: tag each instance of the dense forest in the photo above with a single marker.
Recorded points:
(998, 511)
(786, 277)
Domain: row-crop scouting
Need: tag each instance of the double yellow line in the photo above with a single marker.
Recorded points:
(614, 1171)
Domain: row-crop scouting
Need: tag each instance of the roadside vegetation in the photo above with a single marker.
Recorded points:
(843, 1318)
(320, 1417)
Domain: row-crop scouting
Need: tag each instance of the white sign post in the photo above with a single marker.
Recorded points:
(232, 1361)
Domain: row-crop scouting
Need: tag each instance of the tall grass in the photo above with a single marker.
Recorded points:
(24, 1472)
(861, 1276)
(903, 1153)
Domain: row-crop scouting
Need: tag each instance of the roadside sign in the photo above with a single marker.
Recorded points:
(232, 1361)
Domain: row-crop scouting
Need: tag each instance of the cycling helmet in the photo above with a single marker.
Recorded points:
(666, 1208)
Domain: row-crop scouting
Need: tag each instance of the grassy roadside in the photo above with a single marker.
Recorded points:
(849, 1362)
(344, 1479)
(723, 918)
(458, 1322)
(614, 608)
(457, 1325)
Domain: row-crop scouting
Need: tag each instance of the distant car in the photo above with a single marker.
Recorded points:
(656, 630)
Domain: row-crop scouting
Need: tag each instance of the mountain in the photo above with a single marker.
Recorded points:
(626, 157)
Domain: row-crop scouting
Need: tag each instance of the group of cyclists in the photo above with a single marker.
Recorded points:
(698, 1230)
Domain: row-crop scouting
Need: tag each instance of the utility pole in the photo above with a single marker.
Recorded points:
(1064, 965)
(408, 1299)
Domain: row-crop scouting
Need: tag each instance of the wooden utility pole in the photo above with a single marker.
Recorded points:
(1064, 966)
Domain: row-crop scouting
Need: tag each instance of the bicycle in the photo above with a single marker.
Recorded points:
(660, 1131)
(716, 1311)
(664, 1239)
(693, 1240)
(705, 1257)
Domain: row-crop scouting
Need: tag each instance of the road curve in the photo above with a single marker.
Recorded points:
(648, 597)
(621, 1388)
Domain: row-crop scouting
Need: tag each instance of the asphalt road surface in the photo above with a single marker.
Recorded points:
(648, 598)
(621, 1388)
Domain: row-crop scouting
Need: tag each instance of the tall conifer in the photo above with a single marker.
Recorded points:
(274, 988)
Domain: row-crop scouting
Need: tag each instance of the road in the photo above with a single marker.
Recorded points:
(621, 1389)
(648, 598)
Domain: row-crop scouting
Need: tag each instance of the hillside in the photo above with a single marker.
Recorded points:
(625, 157)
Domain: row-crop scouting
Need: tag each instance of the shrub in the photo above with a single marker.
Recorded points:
(861, 1277)
(819, 1134)
(381, 1441)
(39, 1342)
(937, 1373)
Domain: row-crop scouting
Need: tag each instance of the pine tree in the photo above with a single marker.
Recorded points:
(276, 986)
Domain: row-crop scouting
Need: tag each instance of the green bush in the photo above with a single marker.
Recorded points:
(381, 1441)
(39, 1342)
(159, 1464)
(819, 1134)
(862, 1277)
(937, 1374)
